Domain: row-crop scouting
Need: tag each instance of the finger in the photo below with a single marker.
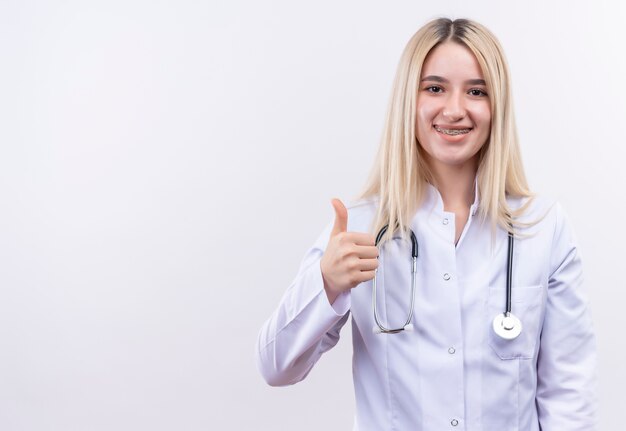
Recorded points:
(366, 251)
(368, 264)
(365, 276)
(341, 217)
(360, 238)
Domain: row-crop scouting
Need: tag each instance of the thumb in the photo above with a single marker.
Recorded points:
(341, 217)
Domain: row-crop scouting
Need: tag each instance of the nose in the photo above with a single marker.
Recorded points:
(454, 107)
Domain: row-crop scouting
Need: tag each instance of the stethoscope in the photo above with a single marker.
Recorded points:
(505, 325)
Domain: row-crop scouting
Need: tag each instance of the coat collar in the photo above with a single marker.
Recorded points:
(434, 202)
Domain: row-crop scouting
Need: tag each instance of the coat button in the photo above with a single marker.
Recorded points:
(445, 221)
(451, 350)
(454, 422)
(446, 276)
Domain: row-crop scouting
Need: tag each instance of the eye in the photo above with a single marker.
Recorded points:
(477, 92)
(434, 89)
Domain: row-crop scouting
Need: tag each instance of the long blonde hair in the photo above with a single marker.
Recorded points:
(400, 171)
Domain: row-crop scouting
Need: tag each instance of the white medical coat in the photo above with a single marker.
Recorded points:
(452, 372)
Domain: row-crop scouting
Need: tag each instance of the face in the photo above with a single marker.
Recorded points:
(453, 110)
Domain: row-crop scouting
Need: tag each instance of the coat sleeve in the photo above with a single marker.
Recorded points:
(305, 324)
(566, 365)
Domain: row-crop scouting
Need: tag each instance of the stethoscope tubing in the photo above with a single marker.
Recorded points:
(505, 325)
(509, 275)
(380, 328)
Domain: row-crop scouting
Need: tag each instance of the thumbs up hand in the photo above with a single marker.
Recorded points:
(350, 257)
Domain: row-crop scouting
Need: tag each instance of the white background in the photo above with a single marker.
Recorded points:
(165, 165)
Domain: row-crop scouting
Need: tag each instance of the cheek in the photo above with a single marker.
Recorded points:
(482, 118)
(425, 114)
(484, 114)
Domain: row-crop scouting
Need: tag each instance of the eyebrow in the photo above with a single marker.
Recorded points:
(444, 80)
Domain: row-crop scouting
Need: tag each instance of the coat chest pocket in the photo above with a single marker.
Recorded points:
(527, 305)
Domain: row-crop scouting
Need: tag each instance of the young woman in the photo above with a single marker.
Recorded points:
(489, 327)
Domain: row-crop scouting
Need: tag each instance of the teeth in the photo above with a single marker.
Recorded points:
(452, 131)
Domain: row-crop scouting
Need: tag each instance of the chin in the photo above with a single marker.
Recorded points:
(452, 160)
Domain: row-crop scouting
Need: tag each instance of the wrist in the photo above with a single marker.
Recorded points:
(331, 294)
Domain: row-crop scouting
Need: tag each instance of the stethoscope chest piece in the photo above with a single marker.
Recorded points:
(507, 327)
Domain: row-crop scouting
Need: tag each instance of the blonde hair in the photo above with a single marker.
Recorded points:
(400, 171)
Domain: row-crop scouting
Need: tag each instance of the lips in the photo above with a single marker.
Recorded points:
(452, 131)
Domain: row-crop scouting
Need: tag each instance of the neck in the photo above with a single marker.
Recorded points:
(455, 184)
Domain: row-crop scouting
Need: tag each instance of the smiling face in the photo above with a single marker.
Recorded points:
(453, 109)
